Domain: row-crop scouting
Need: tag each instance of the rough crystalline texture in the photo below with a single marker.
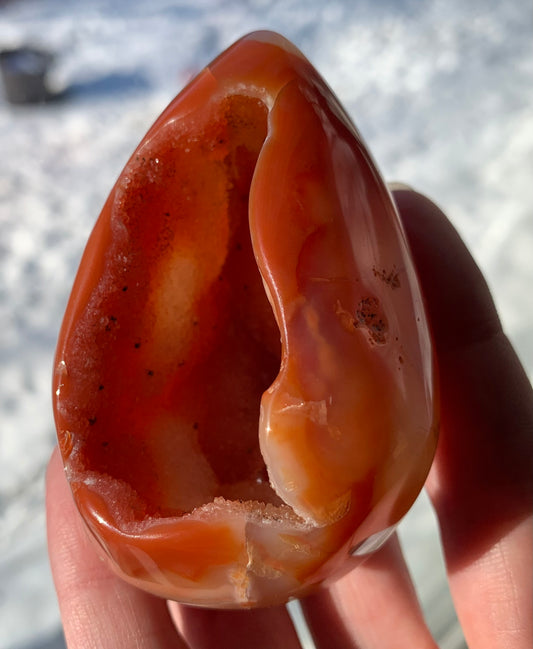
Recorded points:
(213, 463)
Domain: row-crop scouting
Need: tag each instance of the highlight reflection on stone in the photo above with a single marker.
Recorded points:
(213, 463)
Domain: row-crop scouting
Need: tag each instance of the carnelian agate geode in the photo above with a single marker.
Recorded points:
(214, 464)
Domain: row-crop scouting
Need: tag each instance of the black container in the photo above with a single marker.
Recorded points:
(24, 72)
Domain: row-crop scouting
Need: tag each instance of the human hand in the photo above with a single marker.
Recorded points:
(480, 486)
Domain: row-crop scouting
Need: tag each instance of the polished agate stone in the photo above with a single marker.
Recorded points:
(243, 385)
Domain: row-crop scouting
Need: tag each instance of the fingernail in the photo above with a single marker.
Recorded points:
(397, 186)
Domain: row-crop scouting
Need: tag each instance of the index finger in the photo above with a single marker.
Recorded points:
(481, 483)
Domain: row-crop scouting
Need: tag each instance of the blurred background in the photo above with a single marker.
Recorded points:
(441, 90)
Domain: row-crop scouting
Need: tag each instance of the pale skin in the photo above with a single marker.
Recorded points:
(480, 486)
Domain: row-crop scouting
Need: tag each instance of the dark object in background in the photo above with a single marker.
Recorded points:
(24, 72)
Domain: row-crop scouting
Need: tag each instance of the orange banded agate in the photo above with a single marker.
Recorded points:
(243, 386)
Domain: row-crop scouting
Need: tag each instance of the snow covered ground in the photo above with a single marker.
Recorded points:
(442, 91)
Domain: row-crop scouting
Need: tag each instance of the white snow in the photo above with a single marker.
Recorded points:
(442, 91)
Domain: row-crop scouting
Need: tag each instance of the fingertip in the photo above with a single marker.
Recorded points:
(458, 301)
